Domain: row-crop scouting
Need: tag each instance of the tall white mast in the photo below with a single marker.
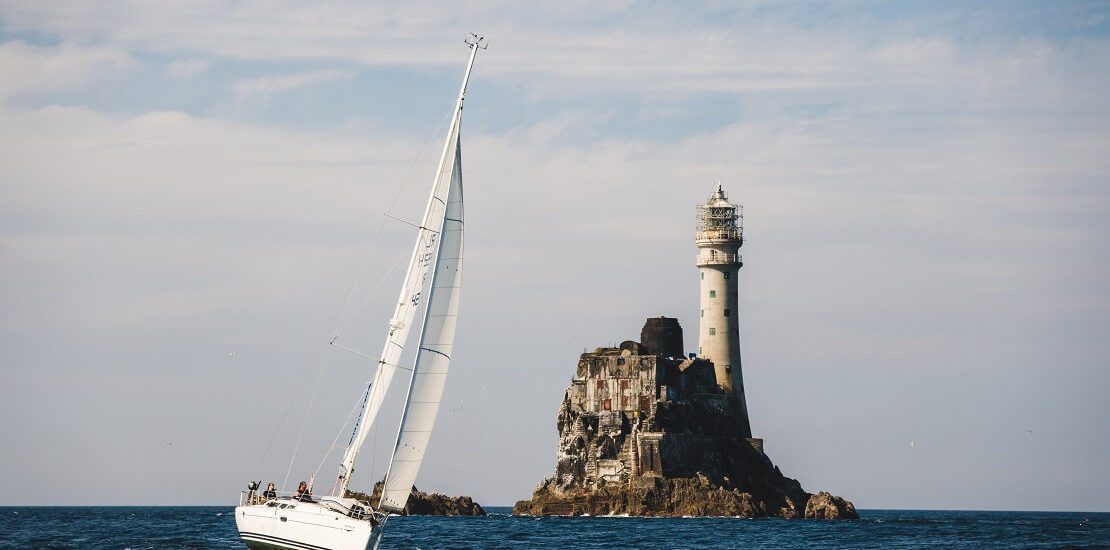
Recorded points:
(424, 254)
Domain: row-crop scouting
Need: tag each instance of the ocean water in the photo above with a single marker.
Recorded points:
(144, 528)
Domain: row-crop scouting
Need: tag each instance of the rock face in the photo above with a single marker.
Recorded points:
(646, 434)
(826, 506)
(427, 504)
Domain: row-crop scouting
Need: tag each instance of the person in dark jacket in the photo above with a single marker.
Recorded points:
(270, 491)
(303, 494)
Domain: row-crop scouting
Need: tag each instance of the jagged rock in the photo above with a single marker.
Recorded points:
(826, 506)
(426, 504)
(654, 435)
(658, 497)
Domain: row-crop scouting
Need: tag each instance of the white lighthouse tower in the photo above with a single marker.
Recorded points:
(720, 235)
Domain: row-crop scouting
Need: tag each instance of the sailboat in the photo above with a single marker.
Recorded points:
(336, 521)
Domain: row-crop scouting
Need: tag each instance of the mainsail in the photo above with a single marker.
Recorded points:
(429, 374)
(420, 265)
(429, 246)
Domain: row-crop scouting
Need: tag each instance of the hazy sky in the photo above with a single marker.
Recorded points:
(187, 191)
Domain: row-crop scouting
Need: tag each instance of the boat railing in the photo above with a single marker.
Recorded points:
(360, 510)
(251, 498)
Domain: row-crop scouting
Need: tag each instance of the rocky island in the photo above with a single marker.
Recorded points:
(426, 504)
(647, 430)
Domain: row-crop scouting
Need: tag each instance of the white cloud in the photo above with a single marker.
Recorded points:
(268, 85)
(677, 49)
(163, 230)
(27, 68)
(187, 68)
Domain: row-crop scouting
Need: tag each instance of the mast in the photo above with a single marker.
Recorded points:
(437, 337)
(425, 253)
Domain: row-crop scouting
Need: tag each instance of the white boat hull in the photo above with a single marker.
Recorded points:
(300, 526)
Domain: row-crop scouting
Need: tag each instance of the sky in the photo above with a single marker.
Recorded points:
(193, 201)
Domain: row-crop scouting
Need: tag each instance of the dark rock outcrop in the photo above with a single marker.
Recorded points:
(649, 435)
(427, 504)
(826, 506)
(678, 497)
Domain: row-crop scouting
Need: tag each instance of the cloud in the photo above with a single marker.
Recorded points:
(27, 68)
(871, 251)
(663, 49)
(268, 85)
(921, 209)
(182, 69)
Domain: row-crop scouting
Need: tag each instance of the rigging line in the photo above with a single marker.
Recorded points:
(304, 423)
(393, 202)
(284, 417)
(377, 232)
(333, 333)
(366, 299)
(376, 360)
(281, 422)
(315, 359)
(336, 321)
(433, 129)
(338, 434)
(374, 455)
(331, 336)
(358, 276)
(288, 408)
(388, 215)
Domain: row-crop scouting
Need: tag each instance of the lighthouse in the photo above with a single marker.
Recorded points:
(720, 234)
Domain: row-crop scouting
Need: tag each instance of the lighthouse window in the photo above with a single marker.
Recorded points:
(712, 293)
(703, 275)
(727, 273)
(703, 313)
(712, 332)
(726, 312)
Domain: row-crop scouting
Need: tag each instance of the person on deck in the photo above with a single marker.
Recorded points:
(270, 491)
(303, 494)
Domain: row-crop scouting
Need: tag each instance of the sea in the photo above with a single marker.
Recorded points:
(142, 528)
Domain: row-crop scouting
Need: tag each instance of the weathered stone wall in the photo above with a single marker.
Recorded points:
(651, 435)
(608, 424)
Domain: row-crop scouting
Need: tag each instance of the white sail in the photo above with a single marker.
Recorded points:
(408, 302)
(433, 358)
(423, 259)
